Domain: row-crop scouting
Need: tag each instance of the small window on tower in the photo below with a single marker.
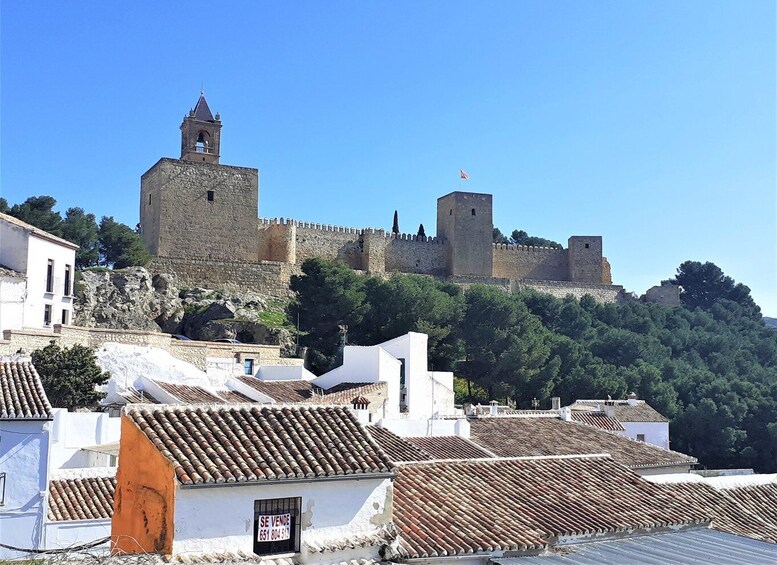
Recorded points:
(149, 199)
(473, 211)
(587, 246)
(210, 196)
(451, 212)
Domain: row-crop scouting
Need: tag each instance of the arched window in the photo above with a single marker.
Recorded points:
(201, 146)
(473, 211)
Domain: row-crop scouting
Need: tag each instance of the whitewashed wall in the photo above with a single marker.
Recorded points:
(656, 433)
(221, 518)
(61, 535)
(13, 291)
(39, 252)
(24, 452)
(72, 431)
(420, 428)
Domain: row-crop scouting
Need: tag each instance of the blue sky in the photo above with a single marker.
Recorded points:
(652, 124)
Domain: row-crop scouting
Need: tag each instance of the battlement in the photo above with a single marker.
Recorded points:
(267, 222)
(528, 248)
(311, 225)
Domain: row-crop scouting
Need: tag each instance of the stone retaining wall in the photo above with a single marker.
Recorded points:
(194, 352)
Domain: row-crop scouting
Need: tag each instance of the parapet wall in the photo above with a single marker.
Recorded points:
(603, 293)
(370, 249)
(526, 262)
(194, 352)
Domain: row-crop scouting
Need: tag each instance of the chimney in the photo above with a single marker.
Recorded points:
(555, 403)
(494, 408)
(609, 409)
(632, 399)
(566, 414)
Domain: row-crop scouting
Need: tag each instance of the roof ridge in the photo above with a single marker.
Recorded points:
(502, 459)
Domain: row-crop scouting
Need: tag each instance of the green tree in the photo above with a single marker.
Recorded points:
(408, 303)
(69, 375)
(520, 237)
(499, 237)
(330, 298)
(4, 209)
(704, 284)
(120, 246)
(81, 228)
(39, 211)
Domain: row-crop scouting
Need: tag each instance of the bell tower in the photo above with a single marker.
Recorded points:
(201, 134)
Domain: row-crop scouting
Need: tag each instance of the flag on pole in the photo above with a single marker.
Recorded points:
(463, 174)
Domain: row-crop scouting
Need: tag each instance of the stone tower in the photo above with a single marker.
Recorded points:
(201, 134)
(465, 220)
(586, 264)
(196, 208)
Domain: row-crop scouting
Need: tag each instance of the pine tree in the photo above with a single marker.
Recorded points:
(395, 227)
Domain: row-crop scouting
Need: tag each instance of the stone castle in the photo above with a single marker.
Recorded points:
(200, 220)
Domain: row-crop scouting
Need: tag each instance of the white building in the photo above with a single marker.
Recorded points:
(47, 265)
(640, 421)
(25, 428)
(415, 392)
(306, 485)
(36, 443)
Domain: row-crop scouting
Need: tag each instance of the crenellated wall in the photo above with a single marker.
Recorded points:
(526, 262)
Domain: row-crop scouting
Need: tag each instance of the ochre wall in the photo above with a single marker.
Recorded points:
(144, 503)
(522, 262)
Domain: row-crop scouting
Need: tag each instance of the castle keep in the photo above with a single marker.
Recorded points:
(200, 219)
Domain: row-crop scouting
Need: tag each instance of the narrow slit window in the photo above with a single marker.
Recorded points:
(210, 196)
(473, 211)
(47, 315)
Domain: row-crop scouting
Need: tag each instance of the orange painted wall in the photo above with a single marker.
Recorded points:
(144, 500)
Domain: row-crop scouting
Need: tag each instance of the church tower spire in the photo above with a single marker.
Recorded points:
(201, 134)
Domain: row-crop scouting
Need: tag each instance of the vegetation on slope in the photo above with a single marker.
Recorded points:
(711, 369)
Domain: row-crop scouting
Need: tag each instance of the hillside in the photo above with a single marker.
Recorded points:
(713, 371)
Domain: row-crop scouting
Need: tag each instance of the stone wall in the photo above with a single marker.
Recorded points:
(605, 294)
(329, 242)
(406, 253)
(525, 262)
(667, 295)
(266, 277)
(194, 352)
(200, 210)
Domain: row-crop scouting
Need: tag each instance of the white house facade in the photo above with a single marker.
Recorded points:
(47, 264)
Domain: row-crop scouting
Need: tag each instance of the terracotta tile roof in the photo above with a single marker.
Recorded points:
(188, 393)
(304, 392)
(597, 420)
(521, 437)
(21, 393)
(318, 543)
(396, 447)
(624, 412)
(239, 443)
(344, 393)
(462, 507)
(233, 397)
(732, 512)
(133, 396)
(449, 447)
(86, 498)
(280, 391)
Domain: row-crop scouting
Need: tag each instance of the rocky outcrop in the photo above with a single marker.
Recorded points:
(134, 299)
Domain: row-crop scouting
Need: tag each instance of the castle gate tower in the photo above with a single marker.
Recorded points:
(196, 208)
(465, 220)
